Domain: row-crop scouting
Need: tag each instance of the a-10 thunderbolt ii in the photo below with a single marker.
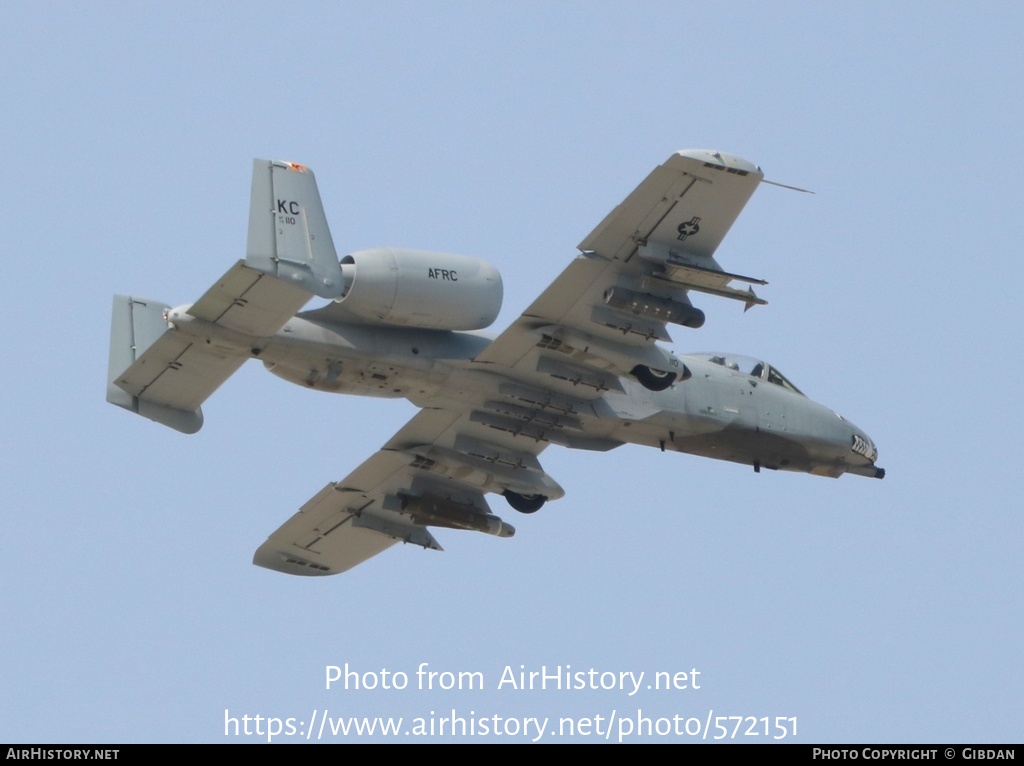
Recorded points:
(581, 367)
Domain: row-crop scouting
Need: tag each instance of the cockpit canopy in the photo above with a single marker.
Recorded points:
(755, 368)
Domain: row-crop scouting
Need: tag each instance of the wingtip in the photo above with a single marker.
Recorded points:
(277, 561)
(722, 159)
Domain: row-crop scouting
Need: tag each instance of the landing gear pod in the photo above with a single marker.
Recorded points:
(651, 379)
(524, 503)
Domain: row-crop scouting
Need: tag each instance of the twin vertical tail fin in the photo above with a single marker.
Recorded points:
(166, 375)
(138, 326)
(288, 234)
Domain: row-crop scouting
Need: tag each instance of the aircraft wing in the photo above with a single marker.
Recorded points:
(634, 276)
(434, 472)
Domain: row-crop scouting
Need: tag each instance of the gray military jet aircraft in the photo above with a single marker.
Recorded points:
(580, 368)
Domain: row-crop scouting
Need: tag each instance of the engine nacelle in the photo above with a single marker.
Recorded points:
(414, 288)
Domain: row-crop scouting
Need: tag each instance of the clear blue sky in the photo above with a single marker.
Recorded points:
(870, 611)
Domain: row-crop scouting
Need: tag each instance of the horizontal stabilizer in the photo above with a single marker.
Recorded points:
(165, 375)
(250, 302)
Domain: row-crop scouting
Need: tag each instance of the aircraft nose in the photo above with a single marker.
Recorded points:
(862, 445)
